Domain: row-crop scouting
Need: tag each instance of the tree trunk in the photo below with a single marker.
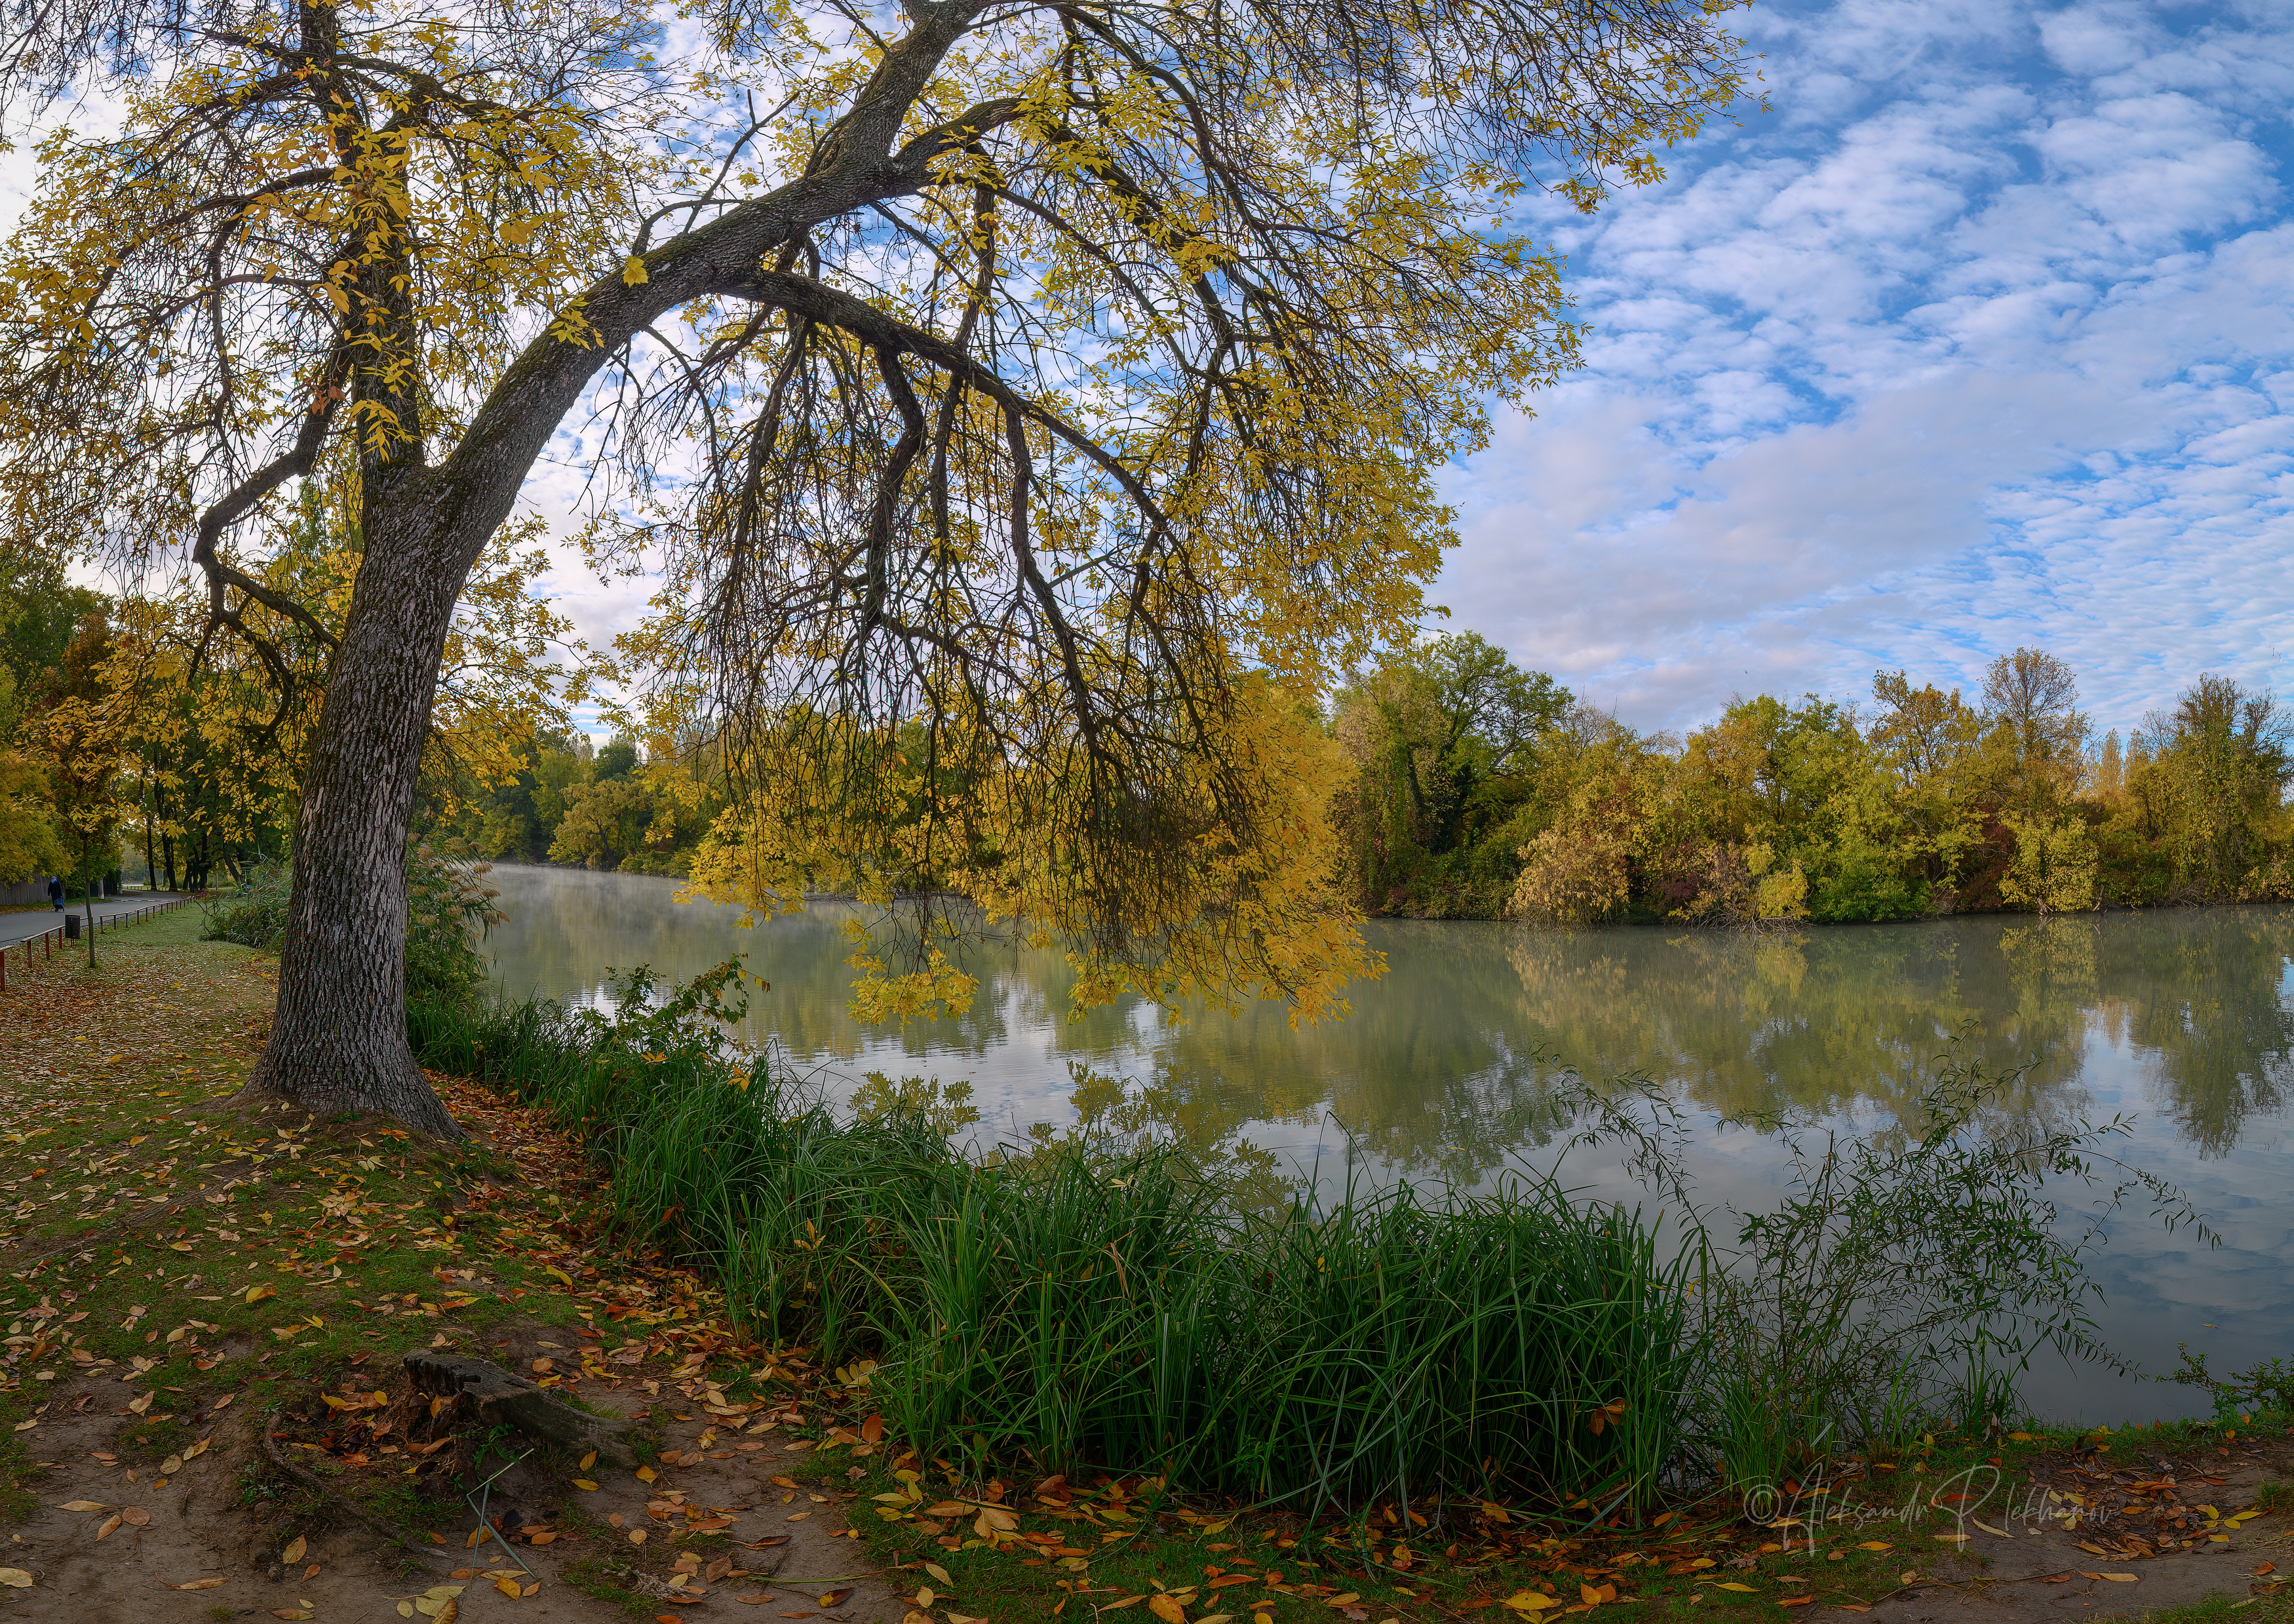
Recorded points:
(339, 1040)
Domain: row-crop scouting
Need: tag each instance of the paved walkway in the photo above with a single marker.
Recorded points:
(16, 926)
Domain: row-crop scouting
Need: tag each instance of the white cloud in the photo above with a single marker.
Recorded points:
(1982, 339)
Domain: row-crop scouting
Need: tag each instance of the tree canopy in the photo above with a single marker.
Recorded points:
(1033, 403)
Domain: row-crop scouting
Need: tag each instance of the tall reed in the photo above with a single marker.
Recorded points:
(1088, 1303)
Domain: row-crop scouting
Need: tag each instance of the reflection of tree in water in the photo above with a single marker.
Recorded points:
(1809, 1024)
(2204, 1004)
(1445, 1064)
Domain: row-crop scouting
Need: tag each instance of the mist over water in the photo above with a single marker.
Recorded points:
(2181, 1019)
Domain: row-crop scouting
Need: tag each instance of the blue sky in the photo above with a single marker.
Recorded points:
(1982, 336)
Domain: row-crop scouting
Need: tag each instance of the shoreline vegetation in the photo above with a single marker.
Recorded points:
(1100, 1296)
(1482, 791)
(851, 1274)
(1467, 787)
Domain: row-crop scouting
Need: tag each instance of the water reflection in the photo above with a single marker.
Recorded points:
(2181, 1018)
(1444, 1064)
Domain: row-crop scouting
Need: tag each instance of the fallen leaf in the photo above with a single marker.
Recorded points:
(197, 1584)
(294, 1551)
(836, 1598)
(645, 1474)
(83, 1505)
(171, 1465)
(1794, 1601)
(257, 1294)
(585, 1485)
(1529, 1601)
(1876, 1545)
(508, 1587)
(2121, 1579)
(290, 1613)
(110, 1526)
(134, 1516)
(406, 1610)
(1164, 1608)
(940, 1573)
(1730, 1584)
(15, 1578)
(758, 1600)
(1593, 1595)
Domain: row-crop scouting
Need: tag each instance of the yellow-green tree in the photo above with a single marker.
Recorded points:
(1029, 372)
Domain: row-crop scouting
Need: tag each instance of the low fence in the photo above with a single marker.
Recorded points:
(41, 948)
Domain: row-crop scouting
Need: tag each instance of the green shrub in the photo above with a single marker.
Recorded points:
(254, 912)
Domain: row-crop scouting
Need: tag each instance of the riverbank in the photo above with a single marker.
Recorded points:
(333, 1226)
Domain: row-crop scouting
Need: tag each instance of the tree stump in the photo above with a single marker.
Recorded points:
(479, 1391)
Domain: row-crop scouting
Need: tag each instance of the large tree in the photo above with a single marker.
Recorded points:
(1029, 384)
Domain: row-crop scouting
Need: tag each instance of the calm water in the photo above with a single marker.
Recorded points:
(2181, 1020)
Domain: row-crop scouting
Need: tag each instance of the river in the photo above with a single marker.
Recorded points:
(2181, 1020)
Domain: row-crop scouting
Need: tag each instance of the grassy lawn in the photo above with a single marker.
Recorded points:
(220, 1256)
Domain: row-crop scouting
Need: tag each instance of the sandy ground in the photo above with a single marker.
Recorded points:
(191, 1548)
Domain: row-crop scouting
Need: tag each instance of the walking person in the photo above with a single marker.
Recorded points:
(56, 892)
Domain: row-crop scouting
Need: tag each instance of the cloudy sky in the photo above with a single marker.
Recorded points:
(1982, 336)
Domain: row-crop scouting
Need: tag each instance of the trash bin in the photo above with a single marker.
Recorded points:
(71, 927)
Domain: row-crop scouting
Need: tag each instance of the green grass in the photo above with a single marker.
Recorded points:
(1086, 1305)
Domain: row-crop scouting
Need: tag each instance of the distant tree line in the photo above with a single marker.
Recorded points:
(1480, 790)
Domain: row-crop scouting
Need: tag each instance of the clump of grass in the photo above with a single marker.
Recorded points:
(1096, 1304)
(1099, 1301)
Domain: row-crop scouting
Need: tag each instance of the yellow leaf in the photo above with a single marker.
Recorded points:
(1529, 1601)
(2121, 1579)
(634, 271)
(584, 1484)
(110, 1525)
(406, 1610)
(171, 1465)
(257, 1294)
(940, 1573)
(645, 1474)
(15, 1578)
(1164, 1608)
(589, 1460)
(1344, 1599)
(508, 1587)
(294, 1551)
(83, 1505)
(1730, 1584)
(1876, 1545)
(197, 1584)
